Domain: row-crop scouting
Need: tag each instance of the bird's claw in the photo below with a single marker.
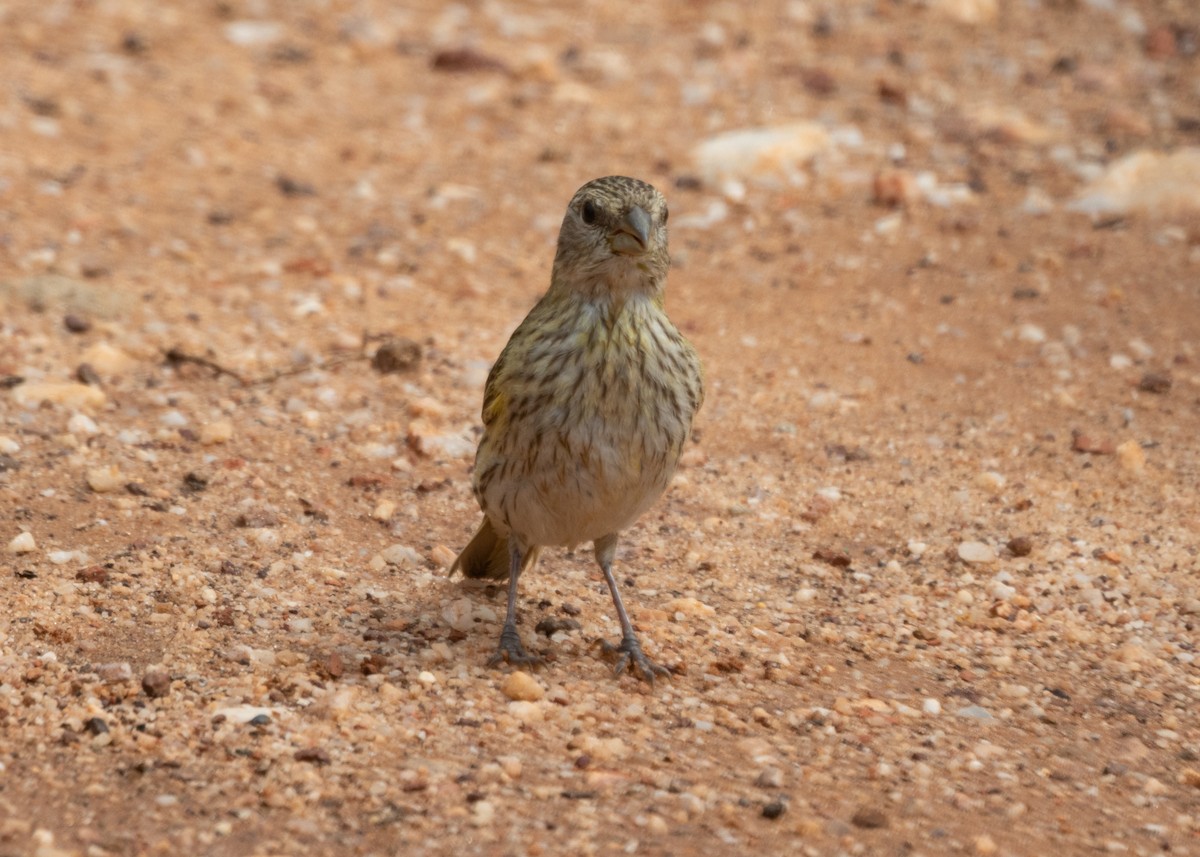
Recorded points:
(511, 651)
(628, 653)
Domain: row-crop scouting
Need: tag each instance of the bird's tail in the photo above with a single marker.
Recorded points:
(486, 555)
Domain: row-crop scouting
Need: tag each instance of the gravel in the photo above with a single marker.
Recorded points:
(926, 575)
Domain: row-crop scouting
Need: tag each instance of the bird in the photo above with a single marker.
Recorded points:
(588, 407)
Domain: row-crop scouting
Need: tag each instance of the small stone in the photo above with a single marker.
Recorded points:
(690, 607)
(931, 706)
(895, 187)
(1190, 777)
(552, 625)
(976, 552)
(985, 845)
(466, 60)
(76, 323)
(774, 809)
(249, 33)
(196, 480)
(248, 713)
(757, 152)
(156, 682)
(1158, 383)
(396, 355)
(483, 813)
(442, 556)
(974, 712)
(95, 725)
(769, 778)
(511, 765)
(87, 373)
(107, 359)
(1083, 442)
(522, 686)
(869, 818)
(102, 480)
(990, 481)
(1031, 333)
(1131, 456)
(401, 555)
(604, 749)
(1155, 787)
(255, 519)
(312, 755)
(526, 711)
(115, 672)
(82, 424)
(22, 543)
(220, 431)
(384, 510)
(1020, 546)
(71, 395)
(1161, 184)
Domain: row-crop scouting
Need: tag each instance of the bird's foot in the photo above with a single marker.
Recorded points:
(512, 651)
(628, 653)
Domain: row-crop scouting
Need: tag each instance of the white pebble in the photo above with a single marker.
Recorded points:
(931, 706)
(22, 543)
(104, 479)
(976, 552)
(82, 424)
(1031, 333)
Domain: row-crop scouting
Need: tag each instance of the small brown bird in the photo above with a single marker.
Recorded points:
(587, 409)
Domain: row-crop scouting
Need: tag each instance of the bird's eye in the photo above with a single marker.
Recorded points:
(589, 212)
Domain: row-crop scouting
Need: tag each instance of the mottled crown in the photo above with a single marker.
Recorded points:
(586, 261)
(618, 192)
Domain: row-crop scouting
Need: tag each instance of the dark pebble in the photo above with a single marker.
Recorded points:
(92, 574)
(869, 818)
(316, 755)
(553, 625)
(466, 60)
(156, 682)
(260, 720)
(396, 355)
(1155, 382)
(836, 558)
(256, 519)
(85, 373)
(76, 323)
(196, 480)
(289, 186)
(774, 809)
(95, 725)
(1020, 546)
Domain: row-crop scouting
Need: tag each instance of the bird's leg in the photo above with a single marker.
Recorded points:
(510, 648)
(629, 650)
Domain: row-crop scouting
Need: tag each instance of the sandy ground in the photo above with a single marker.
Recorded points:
(927, 580)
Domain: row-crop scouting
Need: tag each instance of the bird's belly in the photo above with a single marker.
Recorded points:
(570, 505)
(588, 479)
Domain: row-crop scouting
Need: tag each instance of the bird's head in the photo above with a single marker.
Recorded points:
(613, 238)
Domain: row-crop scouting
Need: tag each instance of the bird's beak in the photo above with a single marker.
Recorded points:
(632, 235)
